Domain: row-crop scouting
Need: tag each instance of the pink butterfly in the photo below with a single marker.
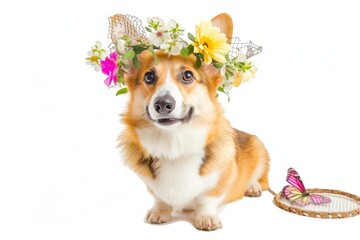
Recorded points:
(296, 192)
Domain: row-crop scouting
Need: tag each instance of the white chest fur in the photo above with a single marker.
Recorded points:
(183, 141)
(180, 154)
(178, 182)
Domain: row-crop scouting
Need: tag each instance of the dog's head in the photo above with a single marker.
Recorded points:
(172, 91)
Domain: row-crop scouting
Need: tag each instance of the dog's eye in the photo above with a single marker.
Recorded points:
(149, 77)
(187, 77)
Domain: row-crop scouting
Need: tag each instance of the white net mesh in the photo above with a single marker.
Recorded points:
(338, 203)
(247, 48)
(120, 25)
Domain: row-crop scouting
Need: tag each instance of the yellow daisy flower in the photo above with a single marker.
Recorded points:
(210, 42)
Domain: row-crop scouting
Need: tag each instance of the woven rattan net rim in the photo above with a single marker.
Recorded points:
(330, 215)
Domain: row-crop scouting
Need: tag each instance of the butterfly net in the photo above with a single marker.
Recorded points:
(120, 25)
(342, 205)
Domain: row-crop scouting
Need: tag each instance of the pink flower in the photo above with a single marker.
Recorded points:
(110, 68)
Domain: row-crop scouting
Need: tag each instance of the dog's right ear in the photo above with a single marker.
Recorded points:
(225, 23)
(133, 73)
(131, 76)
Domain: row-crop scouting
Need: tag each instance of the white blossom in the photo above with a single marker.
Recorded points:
(95, 55)
(172, 23)
(246, 76)
(164, 46)
(93, 60)
(240, 57)
(222, 71)
(228, 85)
(121, 45)
(175, 50)
(160, 36)
(155, 22)
(119, 31)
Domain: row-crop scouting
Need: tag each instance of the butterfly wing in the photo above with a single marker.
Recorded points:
(295, 196)
(303, 201)
(319, 199)
(294, 179)
(291, 193)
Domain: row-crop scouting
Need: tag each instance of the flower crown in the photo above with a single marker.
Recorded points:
(129, 39)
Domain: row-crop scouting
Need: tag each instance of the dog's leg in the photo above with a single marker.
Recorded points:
(258, 179)
(159, 213)
(206, 215)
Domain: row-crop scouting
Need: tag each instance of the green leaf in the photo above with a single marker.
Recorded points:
(151, 49)
(139, 48)
(228, 71)
(185, 52)
(246, 66)
(228, 96)
(218, 65)
(124, 65)
(125, 37)
(198, 62)
(136, 62)
(191, 49)
(191, 37)
(228, 74)
(120, 79)
(148, 29)
(129, 54)
(122, 91)
(221, 89)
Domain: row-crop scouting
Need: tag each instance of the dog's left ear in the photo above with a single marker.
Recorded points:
(225, 23)
(213, 76)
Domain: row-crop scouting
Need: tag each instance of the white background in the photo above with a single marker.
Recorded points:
(60, 172)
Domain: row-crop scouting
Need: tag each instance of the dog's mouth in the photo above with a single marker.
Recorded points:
(167, 121)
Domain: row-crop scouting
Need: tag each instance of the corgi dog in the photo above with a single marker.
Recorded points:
(177, 140)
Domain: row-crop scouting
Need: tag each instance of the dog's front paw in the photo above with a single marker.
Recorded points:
(253, 190)
(208, 223)
(157, 216)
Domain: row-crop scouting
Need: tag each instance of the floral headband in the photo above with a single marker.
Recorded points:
(129, 39)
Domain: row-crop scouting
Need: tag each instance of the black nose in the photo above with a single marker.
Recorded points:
(165, 104)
